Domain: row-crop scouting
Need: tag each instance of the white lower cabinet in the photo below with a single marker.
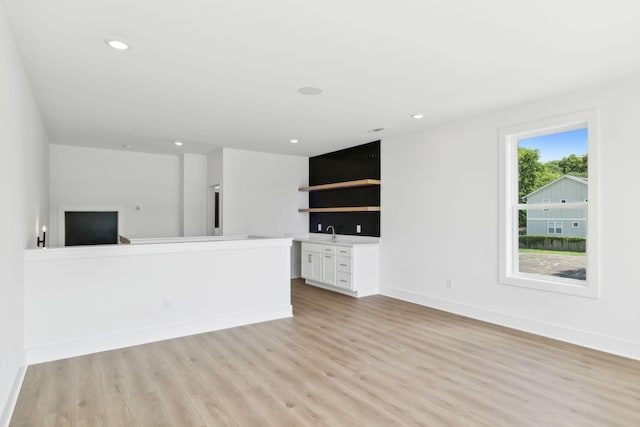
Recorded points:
(343, 264)
(347, 269)
(311, 265)
(343, 280)
(317, 264)
(329, 269)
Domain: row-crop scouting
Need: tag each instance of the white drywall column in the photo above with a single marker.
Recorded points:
(24, 193)
(194, 194)
(260, 193)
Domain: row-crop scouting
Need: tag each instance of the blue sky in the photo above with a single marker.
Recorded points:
(555, 146)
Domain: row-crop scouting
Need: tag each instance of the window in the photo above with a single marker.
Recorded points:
(551, 159)
(554, 227)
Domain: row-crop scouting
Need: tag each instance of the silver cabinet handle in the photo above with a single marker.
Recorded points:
(343, 281)
(328, 256)
(343, 265)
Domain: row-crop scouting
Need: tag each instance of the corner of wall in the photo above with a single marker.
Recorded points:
(24, 188)
(6, 411)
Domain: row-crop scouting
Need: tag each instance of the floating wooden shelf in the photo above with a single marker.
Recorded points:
(344, 209)
(345, 184)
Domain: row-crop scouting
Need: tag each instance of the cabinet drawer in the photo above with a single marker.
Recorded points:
(343, 280)
(343, 251)
(311, 247)
(343, 264)
(329, 249)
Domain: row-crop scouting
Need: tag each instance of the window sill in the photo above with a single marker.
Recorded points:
(557, 285)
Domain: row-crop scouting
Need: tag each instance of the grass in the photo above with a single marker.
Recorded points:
(542, 251)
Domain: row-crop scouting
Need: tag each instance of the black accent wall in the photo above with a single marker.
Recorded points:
(360, 162)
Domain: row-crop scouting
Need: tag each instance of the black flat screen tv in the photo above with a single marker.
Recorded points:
(90, 228)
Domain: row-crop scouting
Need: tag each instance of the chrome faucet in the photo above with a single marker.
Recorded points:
(333, 232)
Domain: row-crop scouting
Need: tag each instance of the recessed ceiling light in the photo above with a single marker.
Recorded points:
(127, 146)
(178, 143)
(293, 141)
(417, 116)
(376, 130)
(117, 44)
(310, 90)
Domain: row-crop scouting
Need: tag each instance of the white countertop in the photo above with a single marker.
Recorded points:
(341, 240)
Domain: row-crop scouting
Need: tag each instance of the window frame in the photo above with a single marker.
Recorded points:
(555, 227)
(510, 205)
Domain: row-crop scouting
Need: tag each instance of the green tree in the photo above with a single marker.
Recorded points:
(532, 174)
(530, 171)
(553, 166)
(574, 165)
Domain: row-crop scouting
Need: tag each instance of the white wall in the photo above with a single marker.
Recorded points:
(260, 193)
(83, 300)
(440, 220)
(108, 178)
(194, 194)
(23, 175)
(214, 167)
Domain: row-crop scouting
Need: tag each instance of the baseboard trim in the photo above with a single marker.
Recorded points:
(331, 288)
(579, 337)
(7, 412)
(88, 345)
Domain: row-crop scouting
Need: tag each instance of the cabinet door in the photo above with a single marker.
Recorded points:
(329, 269)
(306, 264)
(316, 267)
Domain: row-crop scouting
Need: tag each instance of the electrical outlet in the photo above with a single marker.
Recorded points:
(358, 228)
(450, 283)
(319, 227)
(166, 304)
(139, 207)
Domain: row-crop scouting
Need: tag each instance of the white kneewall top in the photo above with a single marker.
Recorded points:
(189, 246)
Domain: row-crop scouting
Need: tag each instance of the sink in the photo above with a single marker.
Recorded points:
(324, 239)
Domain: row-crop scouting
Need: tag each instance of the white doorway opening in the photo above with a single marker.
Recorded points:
(214, 211)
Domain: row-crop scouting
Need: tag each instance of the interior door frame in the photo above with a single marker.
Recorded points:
(213, 191)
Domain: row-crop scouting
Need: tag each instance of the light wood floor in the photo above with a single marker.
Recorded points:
(340, 362)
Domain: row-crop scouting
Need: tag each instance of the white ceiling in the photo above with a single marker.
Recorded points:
(226, 72)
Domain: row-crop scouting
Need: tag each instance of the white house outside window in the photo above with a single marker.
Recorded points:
(548, 179)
